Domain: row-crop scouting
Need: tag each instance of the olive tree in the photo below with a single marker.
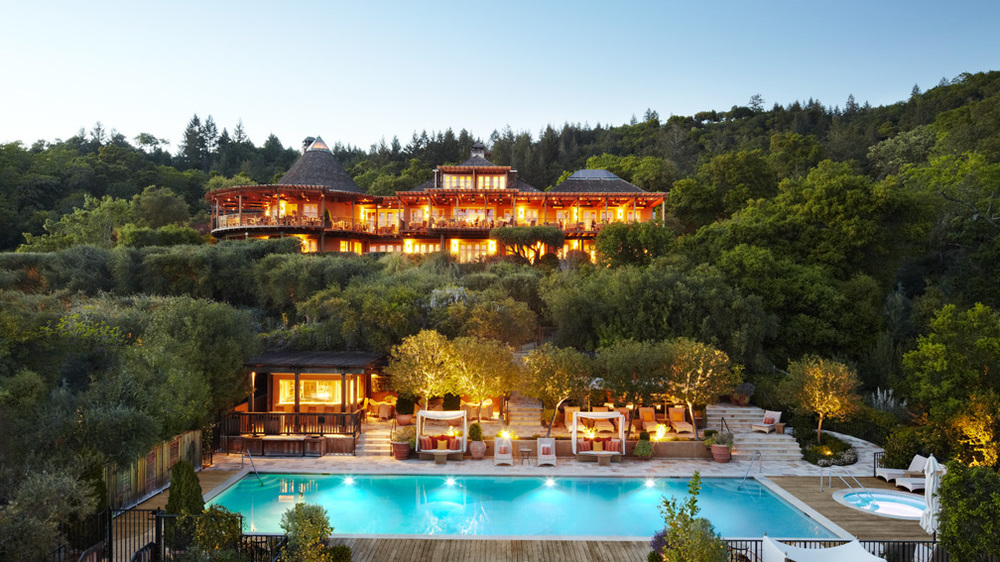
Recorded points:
(556, 374)
(699, 373)
(633, 371)
(422, 365)
(822, 387)
(529, 242)
(482, 368)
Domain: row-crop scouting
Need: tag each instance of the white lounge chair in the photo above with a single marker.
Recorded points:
(912, 484)
(503, 452)
(678, 421)
(647, 419)
(767, 425)
(916, 467)
(601, 425)
(546, 451)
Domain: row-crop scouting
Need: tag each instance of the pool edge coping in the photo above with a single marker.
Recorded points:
(804, 508)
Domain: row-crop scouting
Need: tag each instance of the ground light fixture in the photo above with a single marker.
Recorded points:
(650, 483)
(349, 481)
(550, 482)
(450, 481)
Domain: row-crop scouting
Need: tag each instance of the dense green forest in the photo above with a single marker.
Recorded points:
(867, 235)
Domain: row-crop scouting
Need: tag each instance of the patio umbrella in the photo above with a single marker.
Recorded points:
(932, 480)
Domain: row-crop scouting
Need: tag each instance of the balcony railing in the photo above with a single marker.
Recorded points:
(347, 224)
(283, 423)
(453, 223)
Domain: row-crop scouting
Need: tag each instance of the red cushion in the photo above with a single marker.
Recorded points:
(614, 445)
(583, 445)
(426, 442)
(453, 443)
(503, 450)
(442, 437)
(546, 450)
(768, 421)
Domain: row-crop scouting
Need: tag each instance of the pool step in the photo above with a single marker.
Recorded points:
(374, 440)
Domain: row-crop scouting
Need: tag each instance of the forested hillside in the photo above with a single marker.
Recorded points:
(867, 235)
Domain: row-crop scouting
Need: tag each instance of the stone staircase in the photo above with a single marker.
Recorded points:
(374, 440)
(524, 415)
(772, 446)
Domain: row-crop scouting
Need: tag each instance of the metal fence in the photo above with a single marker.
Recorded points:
(139, 535)
(751, 550)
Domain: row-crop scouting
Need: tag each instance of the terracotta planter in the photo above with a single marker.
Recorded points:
(477, 449)
(400, 450)
(404, 419)
(721, 453)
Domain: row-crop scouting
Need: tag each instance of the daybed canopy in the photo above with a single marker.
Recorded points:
(424, 415)
(775, 551)
(600, 416)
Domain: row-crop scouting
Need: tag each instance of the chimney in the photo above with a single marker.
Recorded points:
(306, 143)
(479, 150)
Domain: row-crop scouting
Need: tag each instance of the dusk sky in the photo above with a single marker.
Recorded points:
(357, 72)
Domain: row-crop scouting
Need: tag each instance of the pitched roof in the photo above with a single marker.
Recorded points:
(318, 166)
(595, 181)
(479, 161)
(315, 361)
(525, 186)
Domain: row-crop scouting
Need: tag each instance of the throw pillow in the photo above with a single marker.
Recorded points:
(647, 416)
(426, 443)
(768, 421)
(676, 415)
(442, 444)
(503, 450)
(598, 445)
(583, 445)
(615, 445)
(546, 450)
(453, 443)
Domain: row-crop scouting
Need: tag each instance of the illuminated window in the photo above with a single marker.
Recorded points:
(311, 392)
(310, 210)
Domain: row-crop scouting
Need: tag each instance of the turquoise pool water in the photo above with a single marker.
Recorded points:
(511, 506)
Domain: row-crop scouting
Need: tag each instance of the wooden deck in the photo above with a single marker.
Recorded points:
(444, 550)
(209, 479)
(865, 526)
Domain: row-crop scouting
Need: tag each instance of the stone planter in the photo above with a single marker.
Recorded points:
(721, 453)
(400, 450)
(477, 449)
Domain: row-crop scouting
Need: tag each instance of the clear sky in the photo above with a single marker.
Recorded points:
(363, 70)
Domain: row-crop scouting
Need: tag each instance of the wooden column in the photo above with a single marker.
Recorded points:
(297, 391)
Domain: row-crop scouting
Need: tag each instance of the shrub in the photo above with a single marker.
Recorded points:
(830, 450)
(643, 435)
(690, 538)
(218, 530)
(405, 433)
(307, 527)
(339, 553)
(404, 405)
(723, 438)
(658, 544)
(451, 402)
(185, 500)
(969, 523)
(643, 448)
(901, 446)
(475, 432)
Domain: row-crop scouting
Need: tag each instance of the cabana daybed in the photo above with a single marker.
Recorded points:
(432, 446)
(596, 450)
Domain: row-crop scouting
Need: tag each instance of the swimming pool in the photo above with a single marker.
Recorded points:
(885, 503)
(511, 506)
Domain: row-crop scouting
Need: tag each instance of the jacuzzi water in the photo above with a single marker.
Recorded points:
(887, 503)
(511, 506)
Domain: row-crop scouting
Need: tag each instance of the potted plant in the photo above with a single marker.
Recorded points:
(403, 439)
(476, 445)
(643, 449)
(721, 445)
(742, 394)
(404, 409)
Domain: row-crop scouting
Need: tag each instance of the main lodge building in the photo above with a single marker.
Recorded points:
(319, 203)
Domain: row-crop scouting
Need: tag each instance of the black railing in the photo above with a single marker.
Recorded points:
(877, 462)
(283, 423)
(746, 550)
